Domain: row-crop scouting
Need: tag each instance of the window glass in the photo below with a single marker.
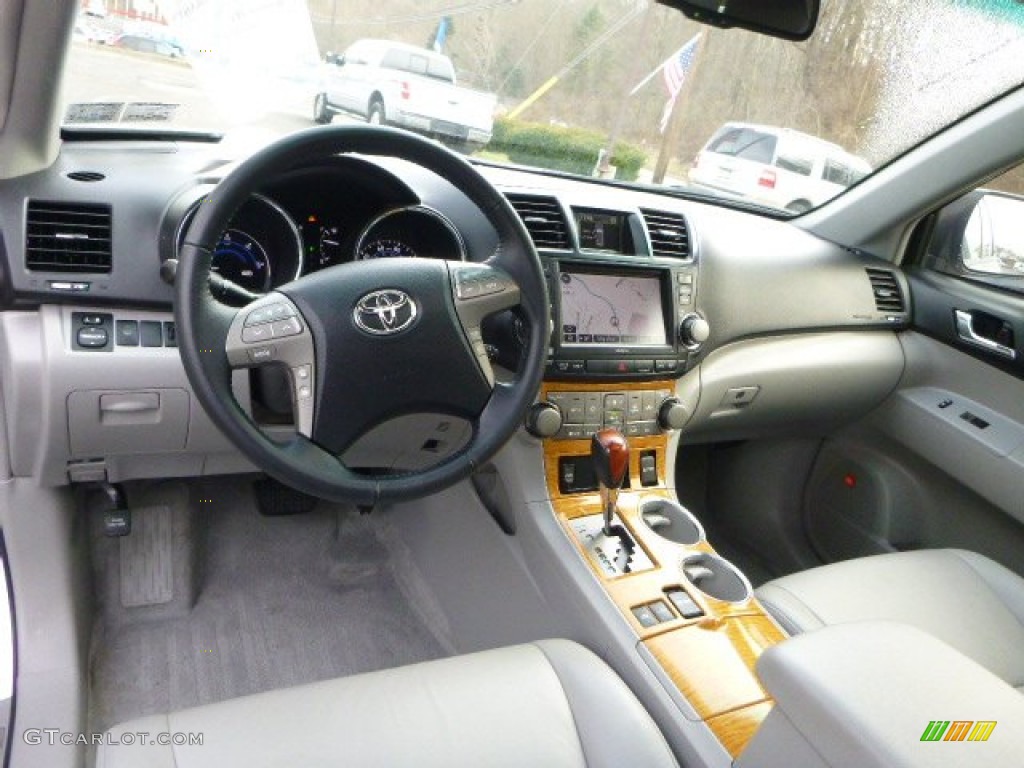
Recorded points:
(790, 160)
(837, 173)
(746, 143)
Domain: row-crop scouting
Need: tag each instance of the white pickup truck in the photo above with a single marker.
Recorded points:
(408, 87)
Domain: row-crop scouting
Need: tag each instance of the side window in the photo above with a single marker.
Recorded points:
(980, 237)
(792, 159)
(837, 173)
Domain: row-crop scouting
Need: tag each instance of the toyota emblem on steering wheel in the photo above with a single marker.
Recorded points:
(385, 312)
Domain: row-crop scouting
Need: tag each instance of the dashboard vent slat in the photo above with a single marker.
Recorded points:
(544, 220)
(68, 237)
(885, 287)
(670, 235)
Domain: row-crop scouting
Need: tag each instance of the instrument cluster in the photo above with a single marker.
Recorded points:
(294, 229)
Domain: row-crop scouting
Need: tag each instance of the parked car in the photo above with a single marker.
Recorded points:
(415, 88)
(145, 44)
(777, 167)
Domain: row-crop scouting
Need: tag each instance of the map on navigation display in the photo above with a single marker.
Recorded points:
(611, 309)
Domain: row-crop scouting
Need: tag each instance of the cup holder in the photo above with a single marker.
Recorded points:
(716, 577)
(671, 521)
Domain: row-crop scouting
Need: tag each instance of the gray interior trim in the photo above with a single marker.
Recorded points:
(29, 139)
(835, 687)
(54, 608)
(811, 382)
(988, 461)
(42, 377)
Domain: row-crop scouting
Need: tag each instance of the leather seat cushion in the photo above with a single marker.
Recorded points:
(963, 598)
(551, 703)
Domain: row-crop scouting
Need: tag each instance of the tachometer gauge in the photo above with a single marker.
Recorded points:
(385, 249)
(240, 258)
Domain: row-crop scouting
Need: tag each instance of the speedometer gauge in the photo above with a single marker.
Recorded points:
(385, 249)
(240, 258)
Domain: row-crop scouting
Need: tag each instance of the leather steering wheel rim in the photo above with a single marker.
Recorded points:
(203, 322)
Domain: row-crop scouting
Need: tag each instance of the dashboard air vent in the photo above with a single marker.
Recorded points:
(67, 237)
(888, 296)
(669, 234)
(544, 220)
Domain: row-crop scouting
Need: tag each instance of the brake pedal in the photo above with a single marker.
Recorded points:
(274, 499)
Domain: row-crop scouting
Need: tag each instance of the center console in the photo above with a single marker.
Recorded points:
(692, 611)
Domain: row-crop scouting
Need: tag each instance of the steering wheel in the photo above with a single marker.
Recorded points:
(367, 341)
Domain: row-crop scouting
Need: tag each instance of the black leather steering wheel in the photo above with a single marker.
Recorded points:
(366, 341)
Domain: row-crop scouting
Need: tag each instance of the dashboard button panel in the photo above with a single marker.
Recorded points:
(584, 413)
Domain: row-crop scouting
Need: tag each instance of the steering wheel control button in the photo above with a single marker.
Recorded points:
(257, 334)
(385, 312)
(284, 328)
(263, 354)
(92, 338)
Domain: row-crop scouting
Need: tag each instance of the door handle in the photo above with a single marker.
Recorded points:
(965, 331)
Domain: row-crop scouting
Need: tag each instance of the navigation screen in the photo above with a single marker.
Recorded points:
(611, 309)
(601, 231)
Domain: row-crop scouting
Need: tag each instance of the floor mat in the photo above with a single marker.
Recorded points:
(282, 601)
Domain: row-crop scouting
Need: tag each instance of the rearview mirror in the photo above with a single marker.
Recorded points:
(788, 19)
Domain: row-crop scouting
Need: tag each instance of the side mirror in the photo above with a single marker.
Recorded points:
(993, 240)
(788, 19)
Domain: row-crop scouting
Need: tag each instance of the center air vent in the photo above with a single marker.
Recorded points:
(544, 220)
(67, 237)
(888, 296)
(669, 234)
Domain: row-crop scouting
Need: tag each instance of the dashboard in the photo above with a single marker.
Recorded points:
(644, 286)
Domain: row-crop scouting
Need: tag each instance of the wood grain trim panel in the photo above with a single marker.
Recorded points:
(735, 729)
(713, 663)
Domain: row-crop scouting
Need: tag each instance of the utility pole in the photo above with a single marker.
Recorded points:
(604, 161)
(670, 139)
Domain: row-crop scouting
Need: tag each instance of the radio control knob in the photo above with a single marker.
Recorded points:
(694, 330)
(543, 420)
(672, 414)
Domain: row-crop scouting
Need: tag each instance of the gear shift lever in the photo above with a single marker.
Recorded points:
(610, 453)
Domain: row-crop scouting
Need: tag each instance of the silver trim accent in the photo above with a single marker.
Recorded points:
(421, 209)
(385, 312)
(190, 212)
(965, 331)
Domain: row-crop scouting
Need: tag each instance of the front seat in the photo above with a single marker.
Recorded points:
(549, 703)
(965, 599)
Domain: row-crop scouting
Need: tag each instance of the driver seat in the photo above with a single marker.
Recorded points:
(550, 703)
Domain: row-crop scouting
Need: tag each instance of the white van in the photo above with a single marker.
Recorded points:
(775, 167)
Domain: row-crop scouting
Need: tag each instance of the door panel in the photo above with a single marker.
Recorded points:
(939, 464)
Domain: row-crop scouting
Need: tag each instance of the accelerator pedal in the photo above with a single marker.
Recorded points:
(147, 572)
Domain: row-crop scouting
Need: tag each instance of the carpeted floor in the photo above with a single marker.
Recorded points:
(281, 601)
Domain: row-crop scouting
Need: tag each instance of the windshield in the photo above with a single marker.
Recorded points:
(619, 89)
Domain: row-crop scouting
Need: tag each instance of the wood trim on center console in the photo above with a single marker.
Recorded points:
(710, 658)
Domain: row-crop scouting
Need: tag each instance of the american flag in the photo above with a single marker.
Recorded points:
(674, 72)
